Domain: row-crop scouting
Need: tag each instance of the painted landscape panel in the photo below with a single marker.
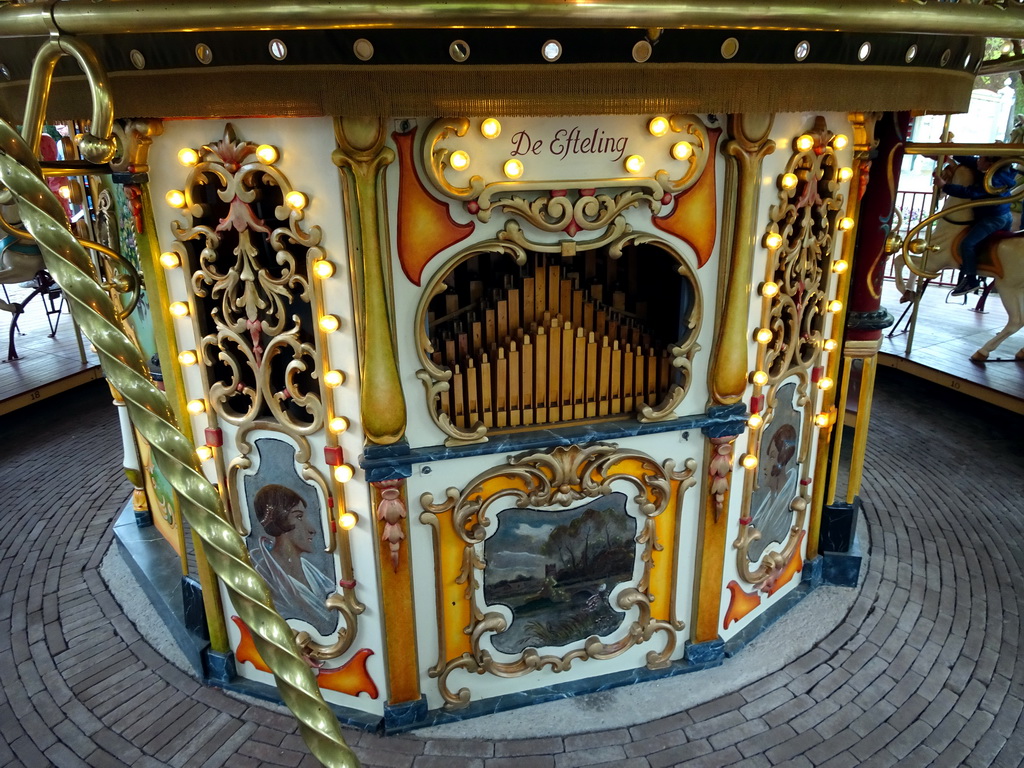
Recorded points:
(777, 475)
(555, 570)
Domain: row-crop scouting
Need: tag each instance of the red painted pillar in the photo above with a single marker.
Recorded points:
(866, 317)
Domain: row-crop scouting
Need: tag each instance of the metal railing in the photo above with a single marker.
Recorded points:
(913, 207)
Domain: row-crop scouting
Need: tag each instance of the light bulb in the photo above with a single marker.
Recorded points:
(773, 240)
(323, 269)
(821, 419)
(64, 191)
(749, 461)
(760, 378)
(839, 266)
(329, 323)
(682, 150)
(347, 521)
(658, 126)
(755, 421)
(513, 168)
(188, 156)
(170, 259)
(835, 306)
(295, 200)
(204, 452)
(175, 198)
(338, 424)
(178, 308)
(830, 345)
(788, 180)
(805, 142)
(769, 289)
(825, 383)
(267, 154)
(634, 163)
(334, 378)
(188, 357)
(839, 141)
(459, 160)
(845, 174)
(490, 128)
(343, 473)
(195, 407)
(764, 335)
(846, 224)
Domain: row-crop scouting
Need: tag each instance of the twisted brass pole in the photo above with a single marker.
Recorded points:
(70, 265)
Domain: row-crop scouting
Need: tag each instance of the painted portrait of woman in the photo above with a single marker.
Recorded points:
(778, 476)
(300, 589)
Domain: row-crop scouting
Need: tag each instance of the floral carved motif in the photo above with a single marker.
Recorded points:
(248, 253)
(800, 239)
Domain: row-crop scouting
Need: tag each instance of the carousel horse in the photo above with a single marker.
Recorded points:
(20, 262)
(1001, 257)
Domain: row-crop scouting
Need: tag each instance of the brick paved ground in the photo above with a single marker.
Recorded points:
(923, 670)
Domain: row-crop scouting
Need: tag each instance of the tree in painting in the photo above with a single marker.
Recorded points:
(555, 570)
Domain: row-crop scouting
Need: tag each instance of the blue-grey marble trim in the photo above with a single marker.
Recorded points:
(842, 569)
(218, 668)
(388, 462)
(702, 653)
(402, 717)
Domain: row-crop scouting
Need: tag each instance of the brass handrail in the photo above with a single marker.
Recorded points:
(85, 17)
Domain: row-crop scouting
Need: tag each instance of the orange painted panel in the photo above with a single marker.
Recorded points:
(740, 604)
(694, 218)
(425, 227)
(786, 574)
(351, 678)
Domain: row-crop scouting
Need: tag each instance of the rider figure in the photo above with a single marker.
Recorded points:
(987, 218)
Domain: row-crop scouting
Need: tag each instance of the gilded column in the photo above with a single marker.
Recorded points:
(390, 504)
(746, 149)
(872, 193)
(132, 170)
(747, 146)
(362, 158)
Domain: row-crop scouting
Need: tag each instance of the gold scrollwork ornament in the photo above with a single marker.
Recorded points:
(560, 477)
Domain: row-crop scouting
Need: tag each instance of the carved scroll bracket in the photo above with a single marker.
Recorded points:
(560, 478)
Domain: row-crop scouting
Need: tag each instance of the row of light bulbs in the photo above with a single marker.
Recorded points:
(770, 289)
(322, 268)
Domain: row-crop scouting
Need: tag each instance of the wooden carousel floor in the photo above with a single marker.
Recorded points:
(946, 336)
(46, 365)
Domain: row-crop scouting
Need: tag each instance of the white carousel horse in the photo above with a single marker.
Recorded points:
(1001, 257)
(20, 262)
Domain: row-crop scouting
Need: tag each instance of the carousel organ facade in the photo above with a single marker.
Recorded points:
(498, 365)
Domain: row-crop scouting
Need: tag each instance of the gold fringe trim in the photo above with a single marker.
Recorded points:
(536, 89)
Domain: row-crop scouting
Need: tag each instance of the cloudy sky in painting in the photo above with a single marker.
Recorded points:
(514, 550)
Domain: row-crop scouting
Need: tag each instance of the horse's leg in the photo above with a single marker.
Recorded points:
(1013, 299)
(8, 275)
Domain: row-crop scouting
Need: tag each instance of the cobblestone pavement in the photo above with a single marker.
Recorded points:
(923, 670)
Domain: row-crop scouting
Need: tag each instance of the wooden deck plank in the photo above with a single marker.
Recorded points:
(946, 336)
(45, 366)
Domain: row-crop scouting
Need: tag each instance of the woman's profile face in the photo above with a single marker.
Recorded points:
(302, 530)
